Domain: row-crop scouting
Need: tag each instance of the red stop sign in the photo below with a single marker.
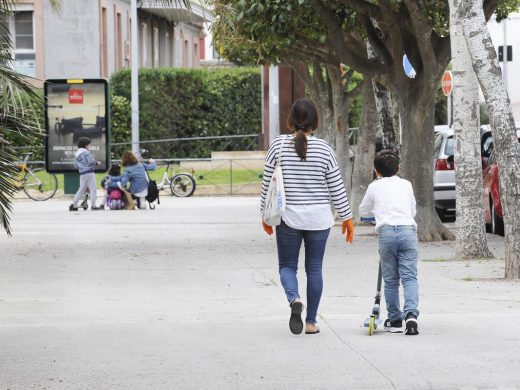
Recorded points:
(447, 83)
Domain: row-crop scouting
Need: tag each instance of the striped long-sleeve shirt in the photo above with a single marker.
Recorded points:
(314, 181)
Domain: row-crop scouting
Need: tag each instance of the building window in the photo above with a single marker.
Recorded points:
(167, 55)
(128, 42)
(175, 47)
(24, 52)
(104, 42)
(156, 47)
(144, 46)
(185, 55)
(216, 54)
(119, 41)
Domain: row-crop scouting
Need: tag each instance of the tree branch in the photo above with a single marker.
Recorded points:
(419, 23)
(377, 43)
(490, 7)
(391, 22)
(342, 47)
(361, 6)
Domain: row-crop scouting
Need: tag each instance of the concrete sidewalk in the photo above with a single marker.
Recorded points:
(187, 296)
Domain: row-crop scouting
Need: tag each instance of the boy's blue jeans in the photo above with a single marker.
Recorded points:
(398, 249)
(289, 241)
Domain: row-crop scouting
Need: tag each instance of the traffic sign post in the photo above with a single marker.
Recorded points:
(447, 83)
(447, 89)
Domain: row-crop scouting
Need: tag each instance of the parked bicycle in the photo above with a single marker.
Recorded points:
(37, 183)
(181, 184)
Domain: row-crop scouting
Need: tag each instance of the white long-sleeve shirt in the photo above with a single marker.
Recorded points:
(391, 201)
(310, 185)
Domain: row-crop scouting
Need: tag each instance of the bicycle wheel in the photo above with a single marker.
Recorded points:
(40, 185)
(182, 185)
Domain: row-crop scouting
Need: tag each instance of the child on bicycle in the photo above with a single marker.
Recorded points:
(113, 196)
(86, 164)
(391, 200)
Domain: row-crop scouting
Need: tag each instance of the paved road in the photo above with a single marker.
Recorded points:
(187, 297)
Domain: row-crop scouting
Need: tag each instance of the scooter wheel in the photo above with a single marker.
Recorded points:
(371, 325)
(85, 207)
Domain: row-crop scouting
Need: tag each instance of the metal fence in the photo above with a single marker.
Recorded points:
(192, 147)
(214, 176)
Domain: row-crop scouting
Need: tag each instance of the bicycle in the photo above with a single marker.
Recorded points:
(181, 184)
(37, 183)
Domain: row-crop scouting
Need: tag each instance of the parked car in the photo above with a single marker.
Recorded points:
(492, 205)
(444, 172)
(486, 144)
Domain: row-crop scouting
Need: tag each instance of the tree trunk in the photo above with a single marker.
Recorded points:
(318, 86)
(326, 129)
(385, 109)
(341, 126)
(365, 150)
(471, 16)
(417, 110)
(471, 241)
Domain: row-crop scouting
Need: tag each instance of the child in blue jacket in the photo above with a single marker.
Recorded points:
(109, 183)
(86, 164)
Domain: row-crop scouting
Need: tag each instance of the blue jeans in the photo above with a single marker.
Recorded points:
(289, 241)
(398, 249)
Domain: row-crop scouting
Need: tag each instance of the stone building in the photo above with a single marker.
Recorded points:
(91, 38)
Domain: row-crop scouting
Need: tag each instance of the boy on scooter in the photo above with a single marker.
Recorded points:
(391, 201)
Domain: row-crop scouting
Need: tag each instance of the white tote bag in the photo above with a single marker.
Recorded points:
(275, 199)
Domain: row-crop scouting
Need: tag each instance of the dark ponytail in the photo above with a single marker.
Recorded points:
(302, 118)
(300, 144)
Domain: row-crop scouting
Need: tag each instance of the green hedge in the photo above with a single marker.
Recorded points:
(177, 103)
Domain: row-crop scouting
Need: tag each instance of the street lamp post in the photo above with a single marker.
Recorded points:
(135, 79)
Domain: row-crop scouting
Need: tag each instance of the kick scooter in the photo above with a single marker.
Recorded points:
(373, 321)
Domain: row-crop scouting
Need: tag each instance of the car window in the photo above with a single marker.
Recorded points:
(449, 147)
(487, 147)
(438, 142)
(491, 159)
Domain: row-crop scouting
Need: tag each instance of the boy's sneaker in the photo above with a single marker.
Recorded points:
(412, 329)
(101, 207)
(393, 326)
(73, 208)
(295, 322)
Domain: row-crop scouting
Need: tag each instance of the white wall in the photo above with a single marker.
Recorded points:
(71, 40)
(513, 39)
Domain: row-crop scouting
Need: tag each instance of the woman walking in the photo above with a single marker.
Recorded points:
(311, 179)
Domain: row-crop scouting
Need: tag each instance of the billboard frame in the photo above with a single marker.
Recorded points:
(108, 130)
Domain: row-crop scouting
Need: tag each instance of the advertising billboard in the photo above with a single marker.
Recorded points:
(76, 109)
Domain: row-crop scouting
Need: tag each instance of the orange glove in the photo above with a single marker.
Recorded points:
(348, 226)
(268, 229)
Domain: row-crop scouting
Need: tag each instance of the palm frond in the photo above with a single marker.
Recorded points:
(17, 115)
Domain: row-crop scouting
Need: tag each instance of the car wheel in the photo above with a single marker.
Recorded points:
(497, 225)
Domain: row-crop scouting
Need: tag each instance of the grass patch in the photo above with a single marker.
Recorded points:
(226, 177)
(220, 177)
